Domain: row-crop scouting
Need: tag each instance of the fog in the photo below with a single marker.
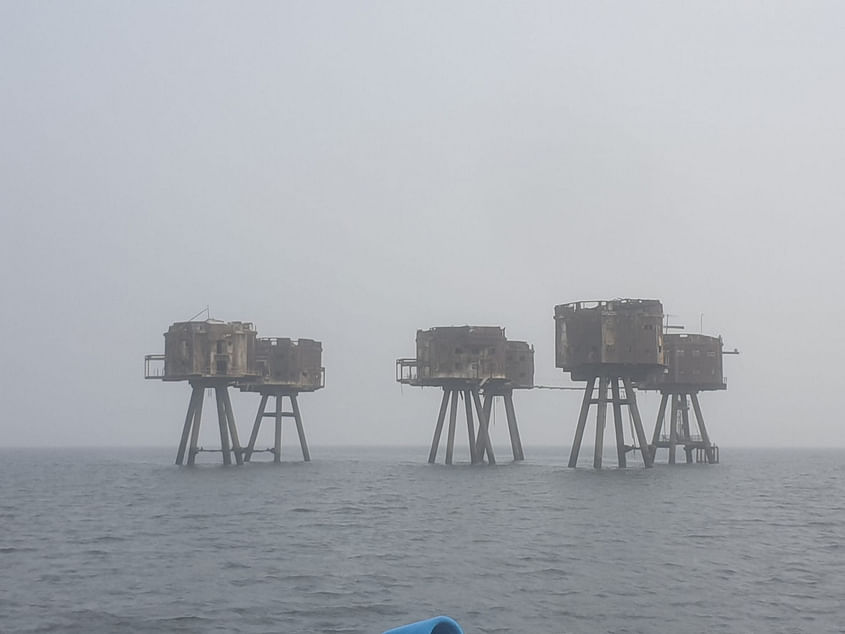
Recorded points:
(351, 172)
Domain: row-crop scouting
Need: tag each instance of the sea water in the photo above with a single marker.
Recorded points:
(363, 539)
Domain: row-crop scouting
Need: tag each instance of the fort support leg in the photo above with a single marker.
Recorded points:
(196, 394)
(621, 458)
(516, 442)
(631, 397)
(705, 437)
(300, 430)
(473, 454)
(277, 440)
(601, 421)
(233, 430)
(484, 444)
(438, 429)
(658, 427)
(687, 435)
(673, 429)
(255, 427)
(453, 415)
(195, 429)
(224, 426)
(582, 422)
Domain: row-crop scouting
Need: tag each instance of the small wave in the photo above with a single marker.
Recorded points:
(4, 550)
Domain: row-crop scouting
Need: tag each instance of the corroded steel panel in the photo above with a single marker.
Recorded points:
(519, 364)
(693, 362)
(290, 363)
(209, 349)
(461, 352)
(623, 334)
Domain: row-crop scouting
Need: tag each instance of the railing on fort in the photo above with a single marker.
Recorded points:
(154, 366)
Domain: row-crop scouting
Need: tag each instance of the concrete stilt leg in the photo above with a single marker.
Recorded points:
(621, 457)
(300, 429)
(277, 438)
(453, 414)
(255, 427)
(473, 454)
(709, 454)
(631, 397)
(673, 431)
(582, 422)
(658, 427)
(601, 421)
(513, 428)
(438, 429)
(484, 445)
(195, 428)
(224, 426)
(196, 394)
(233, 430)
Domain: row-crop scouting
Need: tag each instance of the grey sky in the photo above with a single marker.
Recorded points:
(351, 172)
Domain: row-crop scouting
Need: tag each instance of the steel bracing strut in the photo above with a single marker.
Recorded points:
(480, 445)
(278, 414)
(229, 443)
(601, 400)
(680, 430)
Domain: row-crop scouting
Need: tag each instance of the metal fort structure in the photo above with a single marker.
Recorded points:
(693, 365)
(217, 355)
(286, 367)
(615, 346)
(610, 345)
(477, 364)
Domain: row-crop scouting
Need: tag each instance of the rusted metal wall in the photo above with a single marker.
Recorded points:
(291, 363)
(461, 352)
(209, 349)
(519, 364)
(693, 362)
(626, 333)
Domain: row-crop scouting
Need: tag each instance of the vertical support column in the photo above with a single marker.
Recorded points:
(673, 429)
(195, 429)
(196, 393)
(687, 435)
(601, 421)
(473, 454)
(621, 457)
(453, 415)
(277, 443)
(432, 455)
(484, 444)
(516, 442)
(255, 427)
(705, 437)
(684, 402)
(582, 422)
(631, 397)
(233, 430)
(300, 430)
(224, 425)
(658, 427)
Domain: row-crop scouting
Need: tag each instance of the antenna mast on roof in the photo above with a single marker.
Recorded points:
(205, 310)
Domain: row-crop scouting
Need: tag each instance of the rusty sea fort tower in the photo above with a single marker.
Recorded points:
(218, 355)
(693, 365)
(477, 364)
(285, 368)
(610, 345)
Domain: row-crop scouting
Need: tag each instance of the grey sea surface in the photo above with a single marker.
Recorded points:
(361, 540)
